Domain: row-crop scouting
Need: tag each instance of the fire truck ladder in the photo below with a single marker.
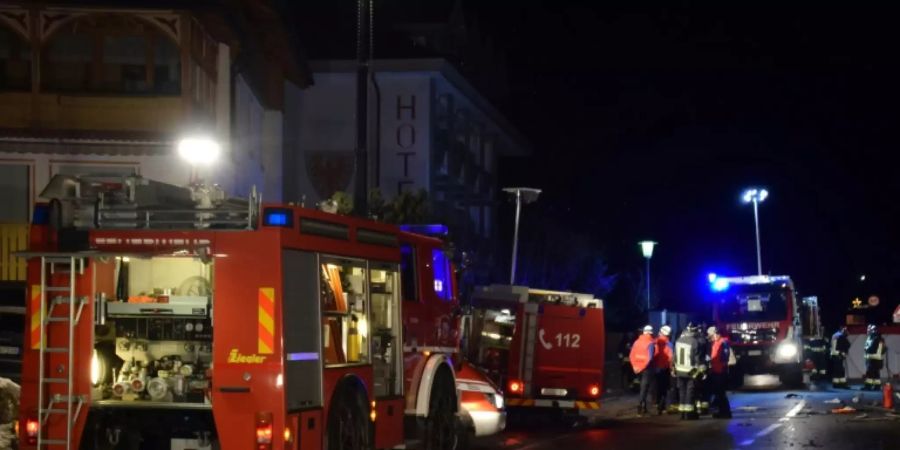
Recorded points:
(68, 404)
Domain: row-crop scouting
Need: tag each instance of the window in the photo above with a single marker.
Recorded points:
(345, 311)
(14, 193)
(442, 281)
(111, 54)
(15, 61)
(386, 344)
(408, 269)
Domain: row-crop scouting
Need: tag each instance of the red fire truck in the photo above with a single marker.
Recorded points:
(761, 317)
(162, 317)
(545, 347)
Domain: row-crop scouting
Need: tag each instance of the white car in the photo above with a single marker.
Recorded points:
(481, 402)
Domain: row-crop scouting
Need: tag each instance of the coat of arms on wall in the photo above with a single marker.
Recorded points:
(329, 171)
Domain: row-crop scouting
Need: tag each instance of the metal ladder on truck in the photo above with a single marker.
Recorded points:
(68, 404)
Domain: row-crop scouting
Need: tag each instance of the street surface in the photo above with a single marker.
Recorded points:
(762, 420)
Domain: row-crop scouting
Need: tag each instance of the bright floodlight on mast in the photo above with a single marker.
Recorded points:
(526, 195)
(198, 150)
(756, 196)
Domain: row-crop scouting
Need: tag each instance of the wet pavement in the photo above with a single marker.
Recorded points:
(762, 420)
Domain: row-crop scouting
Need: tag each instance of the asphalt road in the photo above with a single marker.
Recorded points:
(762, 420)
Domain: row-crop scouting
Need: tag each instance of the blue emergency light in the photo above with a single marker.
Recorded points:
(278, 217)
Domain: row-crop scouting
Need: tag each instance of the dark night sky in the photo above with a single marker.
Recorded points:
(647, 120)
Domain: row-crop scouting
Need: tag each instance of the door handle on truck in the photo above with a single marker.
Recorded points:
(234, 389)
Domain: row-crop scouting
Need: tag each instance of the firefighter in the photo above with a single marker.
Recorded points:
(874, 359)
(718, 372)
(629, 381)
(662, 365)
(701, 384)
(840, 345)
(688, 368)
(641, 357)
(818, 349)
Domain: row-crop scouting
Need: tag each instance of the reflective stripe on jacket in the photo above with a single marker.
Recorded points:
(642, 352)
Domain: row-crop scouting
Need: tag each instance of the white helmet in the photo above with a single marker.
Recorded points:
(665, 330)
(648, 329)
(711, 331)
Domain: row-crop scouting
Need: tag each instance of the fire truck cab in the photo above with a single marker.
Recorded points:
(761, 317)
(162, 317)
(545, 347)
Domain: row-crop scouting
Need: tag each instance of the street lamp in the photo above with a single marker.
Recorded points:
(756, 196)
(647, 251)
(527, 195)
(197, 151)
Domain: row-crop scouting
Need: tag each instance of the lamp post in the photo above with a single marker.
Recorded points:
(756, 196)
(527, 195)
(198, 151)
(647, 251)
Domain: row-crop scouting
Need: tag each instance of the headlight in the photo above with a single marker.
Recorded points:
(786, 350)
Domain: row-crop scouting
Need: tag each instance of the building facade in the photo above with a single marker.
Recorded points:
(428, 129)
(111, 90)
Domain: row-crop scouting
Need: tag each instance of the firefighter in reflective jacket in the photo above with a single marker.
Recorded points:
(874, 359)
(689, 368)
(641, 356)
(719, 353)
(840, 345)
(662, 364)
(817, 348)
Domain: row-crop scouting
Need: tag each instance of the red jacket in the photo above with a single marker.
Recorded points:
(662, 359)
(718, 355)
(642, 352)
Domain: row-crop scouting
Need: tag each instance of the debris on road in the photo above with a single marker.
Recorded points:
(812, 443)
(856, 399)
(834, 401)
(793, 395)
(844, 410)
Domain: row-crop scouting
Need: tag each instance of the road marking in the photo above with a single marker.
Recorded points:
(764, 432)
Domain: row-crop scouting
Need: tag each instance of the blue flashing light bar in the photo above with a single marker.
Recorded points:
(303, 356)
(278, 217)
(712, 277)
(428, 230)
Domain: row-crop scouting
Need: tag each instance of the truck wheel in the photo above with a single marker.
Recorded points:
(440, 425)
(792, 377)
(348, 421)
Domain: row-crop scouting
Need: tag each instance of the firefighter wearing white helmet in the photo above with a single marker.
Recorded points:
(642, 352)
(662, 364)
(874, 353)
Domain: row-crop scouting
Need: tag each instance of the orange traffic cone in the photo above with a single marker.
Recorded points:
(888, 394)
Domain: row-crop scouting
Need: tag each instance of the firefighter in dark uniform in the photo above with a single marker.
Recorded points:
(874, 353)
(818, 353)
(688, 367)
(701, 384)
(840, 345)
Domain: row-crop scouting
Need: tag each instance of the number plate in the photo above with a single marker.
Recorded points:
(6, 350)
(554, 392)
(754, 352)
